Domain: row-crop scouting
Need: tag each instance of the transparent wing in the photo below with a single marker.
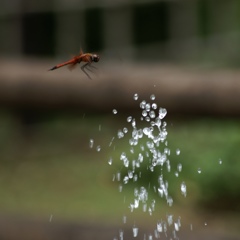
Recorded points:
(72, 66)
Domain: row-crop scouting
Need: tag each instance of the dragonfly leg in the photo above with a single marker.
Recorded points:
(91, 66)
(83, 69)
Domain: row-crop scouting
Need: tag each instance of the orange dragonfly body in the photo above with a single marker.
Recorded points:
(88, 58)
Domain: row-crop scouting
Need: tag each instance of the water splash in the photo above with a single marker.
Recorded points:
(148, 152)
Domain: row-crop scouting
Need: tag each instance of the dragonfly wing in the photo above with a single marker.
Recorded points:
(72, 66)
(81, 51)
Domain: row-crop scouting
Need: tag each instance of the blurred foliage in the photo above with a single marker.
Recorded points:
(94, 38)
(52, 170)
(153, 21)
(209, 158)
(38, 36)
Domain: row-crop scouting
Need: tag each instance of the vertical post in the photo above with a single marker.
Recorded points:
(70, 28)
(224, 16)
(117, 30)
(183, 22)
(11, 28)
(224, 28)
(183, 29)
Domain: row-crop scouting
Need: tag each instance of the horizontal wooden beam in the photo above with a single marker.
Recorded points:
(186, 90)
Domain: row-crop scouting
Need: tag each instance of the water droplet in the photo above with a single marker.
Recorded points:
(152, 97)
(176, 174)
(91, 142)
(184, 189)
(98, 148)
(199, 170)
(133, 142)
(135, 178)
(150, 144)
(121, 234)
(176, 226)
(143, 104)
(220, 161)
(178, 151)
(110, 144)
(162, 113)
(135, 96)
(144, 113)
(133, 123)
(125, 130)
(114, 111)
(147, 119)
(135, 231)
(170, 219)
(130, 174)
(150, 211)
(125, 179)
(168, 165)
(113, 179)
(159, 227)
(118, 176)
(152, 114)
(167, 151)
(179, 167)
(120, 134)
(50, 218)
(129, 119)
(132, 150)
(136, 203)
(169, 201)
(110, 161)
(165, 227)
(124, 219)
(205, 223)
(148, 107)
(191, 227)
(154, 106)
(120, 188)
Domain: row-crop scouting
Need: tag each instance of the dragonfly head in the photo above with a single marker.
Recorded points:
(95, 58)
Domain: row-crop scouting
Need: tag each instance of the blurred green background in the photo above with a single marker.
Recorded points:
(47, 169)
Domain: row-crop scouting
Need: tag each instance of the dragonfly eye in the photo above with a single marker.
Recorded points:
(95, 57)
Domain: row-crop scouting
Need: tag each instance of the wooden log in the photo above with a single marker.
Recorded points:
(183, 90)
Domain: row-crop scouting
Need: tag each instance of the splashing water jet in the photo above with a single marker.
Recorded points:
(148, 150)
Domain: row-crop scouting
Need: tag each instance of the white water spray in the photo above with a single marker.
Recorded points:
(148, 152)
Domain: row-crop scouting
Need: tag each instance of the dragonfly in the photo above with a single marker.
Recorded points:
(88, 58)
